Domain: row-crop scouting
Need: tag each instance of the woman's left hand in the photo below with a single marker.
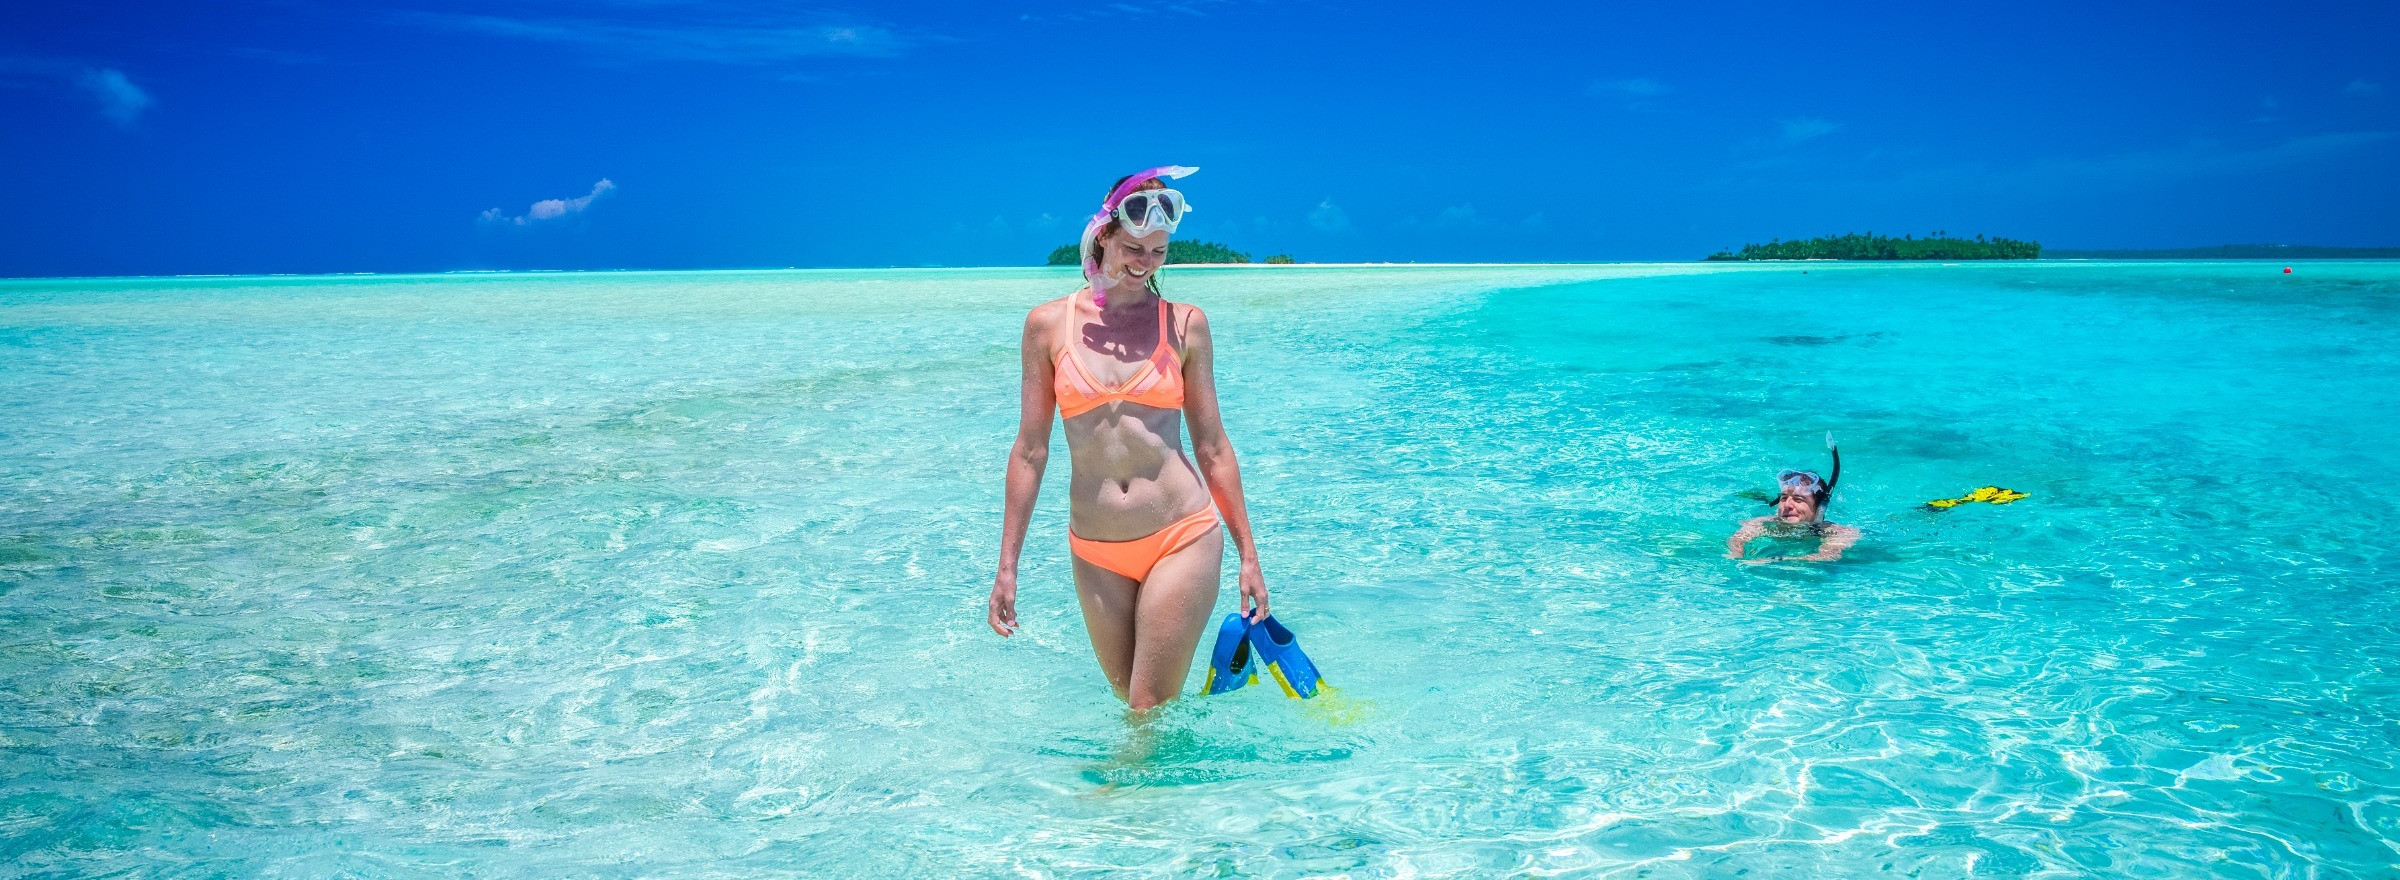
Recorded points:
(1254, 592)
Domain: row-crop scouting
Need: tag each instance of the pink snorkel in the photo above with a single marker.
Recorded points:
(1107, 215)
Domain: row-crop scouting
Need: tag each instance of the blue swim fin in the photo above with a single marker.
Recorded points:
(1280, 651)
(1232, 664)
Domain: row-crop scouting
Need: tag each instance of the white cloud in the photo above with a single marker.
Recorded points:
(1807, 128)
(742, 39)
(2359, 88)
(120, 99)
(1328, 217)
(548, 209)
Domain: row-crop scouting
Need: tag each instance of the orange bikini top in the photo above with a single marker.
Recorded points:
(1159, 381)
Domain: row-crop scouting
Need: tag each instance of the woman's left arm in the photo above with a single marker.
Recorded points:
(1214, 452)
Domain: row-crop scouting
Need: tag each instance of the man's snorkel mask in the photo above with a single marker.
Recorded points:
(1820, 487)
(1139, 211)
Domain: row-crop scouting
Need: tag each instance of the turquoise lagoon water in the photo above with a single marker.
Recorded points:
(682, 575)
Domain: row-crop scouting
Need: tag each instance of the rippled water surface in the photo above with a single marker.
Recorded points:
(682, 575)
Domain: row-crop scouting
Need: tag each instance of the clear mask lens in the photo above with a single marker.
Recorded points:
(1151, 210)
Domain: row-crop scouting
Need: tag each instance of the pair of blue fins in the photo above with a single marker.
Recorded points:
(1243, 647)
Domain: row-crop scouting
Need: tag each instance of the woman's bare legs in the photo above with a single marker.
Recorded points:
(1170, 618)
(1108, 609)
(1145, 633)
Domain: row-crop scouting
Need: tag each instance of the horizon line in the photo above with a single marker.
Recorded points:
(437, 273)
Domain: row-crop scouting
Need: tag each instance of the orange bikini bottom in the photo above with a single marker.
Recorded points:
(1135, 558)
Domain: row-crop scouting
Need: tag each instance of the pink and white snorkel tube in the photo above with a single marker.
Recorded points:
(1107, 214)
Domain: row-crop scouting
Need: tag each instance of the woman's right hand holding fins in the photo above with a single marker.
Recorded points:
(1254, 591)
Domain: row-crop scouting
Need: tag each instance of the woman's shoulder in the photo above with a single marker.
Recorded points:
(1188, 317)
(1048, 314)
(1054, 305)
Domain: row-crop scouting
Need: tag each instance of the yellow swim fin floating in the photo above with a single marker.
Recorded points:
(1987, 495)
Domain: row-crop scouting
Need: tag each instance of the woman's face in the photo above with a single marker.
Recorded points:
(1129, 259)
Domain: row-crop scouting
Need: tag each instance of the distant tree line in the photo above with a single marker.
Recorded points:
(1938, 246)
(1178, 251)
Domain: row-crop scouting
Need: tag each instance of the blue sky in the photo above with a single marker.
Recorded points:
(205, 137)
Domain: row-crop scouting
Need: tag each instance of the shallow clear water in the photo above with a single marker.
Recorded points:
(683, 575)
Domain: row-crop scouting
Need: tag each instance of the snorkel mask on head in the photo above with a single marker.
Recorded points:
(1151, 210)
(1819, 487)
(1138, 212)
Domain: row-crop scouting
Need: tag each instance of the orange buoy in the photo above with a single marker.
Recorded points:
(2287, 270)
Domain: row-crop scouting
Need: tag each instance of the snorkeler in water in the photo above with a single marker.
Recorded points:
(1799, 513)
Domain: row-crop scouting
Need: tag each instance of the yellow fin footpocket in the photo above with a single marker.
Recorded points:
(1986, 494)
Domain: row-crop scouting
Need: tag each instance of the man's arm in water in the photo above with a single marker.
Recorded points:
(1741, 539)
(1837, 539)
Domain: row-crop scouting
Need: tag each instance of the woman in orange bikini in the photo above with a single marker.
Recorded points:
(1126, 369)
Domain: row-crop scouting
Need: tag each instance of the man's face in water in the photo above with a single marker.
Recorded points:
(1796, 505)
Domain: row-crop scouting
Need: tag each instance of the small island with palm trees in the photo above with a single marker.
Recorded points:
(1938, 246)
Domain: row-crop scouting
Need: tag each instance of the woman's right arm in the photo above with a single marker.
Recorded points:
(1026, 460)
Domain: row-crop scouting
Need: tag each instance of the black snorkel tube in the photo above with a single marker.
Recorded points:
(1825, 495)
